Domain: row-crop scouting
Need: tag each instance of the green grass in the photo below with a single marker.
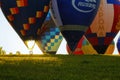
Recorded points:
(60, 67)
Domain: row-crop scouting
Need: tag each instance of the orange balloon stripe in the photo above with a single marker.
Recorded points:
(14, 10)
(32, 20)
(39, 14)
(22, 3)
(23, 32)
(10, 17)
(26, 26)
(46, 8)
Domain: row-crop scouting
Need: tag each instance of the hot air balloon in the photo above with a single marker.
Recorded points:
(50, 38)
(104, 27)
(26, 17)
(73, 18)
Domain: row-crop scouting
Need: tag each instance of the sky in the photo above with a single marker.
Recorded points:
(11, 42)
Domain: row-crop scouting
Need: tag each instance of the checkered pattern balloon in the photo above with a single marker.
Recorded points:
(51, 39)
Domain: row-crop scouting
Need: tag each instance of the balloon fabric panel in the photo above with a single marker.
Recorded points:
(50, 39)
(26, 16)
(68, 11)
(114, 1)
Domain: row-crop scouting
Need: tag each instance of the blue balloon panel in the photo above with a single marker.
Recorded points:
(114, 1)
(77, 12)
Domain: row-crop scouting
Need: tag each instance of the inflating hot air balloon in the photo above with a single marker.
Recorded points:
(50, 36)
(26, 17)
(105, 26)
(73, 18)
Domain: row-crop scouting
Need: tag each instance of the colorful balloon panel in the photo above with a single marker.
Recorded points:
(78, 50)
(25, 16)
(74, 17)
(50, 38)
(84, 47)
(110, 48)
(104, 27)
(87, 47)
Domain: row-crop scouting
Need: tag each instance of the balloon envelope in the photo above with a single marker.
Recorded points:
(25, 16)
(104, 27)
(74, 17)
(50, 38)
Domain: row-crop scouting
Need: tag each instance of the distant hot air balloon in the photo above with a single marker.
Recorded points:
(26, 17)
(73, 18)
(105, 26)
(50, 36)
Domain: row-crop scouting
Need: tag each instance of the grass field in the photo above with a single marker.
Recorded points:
(60, 67)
